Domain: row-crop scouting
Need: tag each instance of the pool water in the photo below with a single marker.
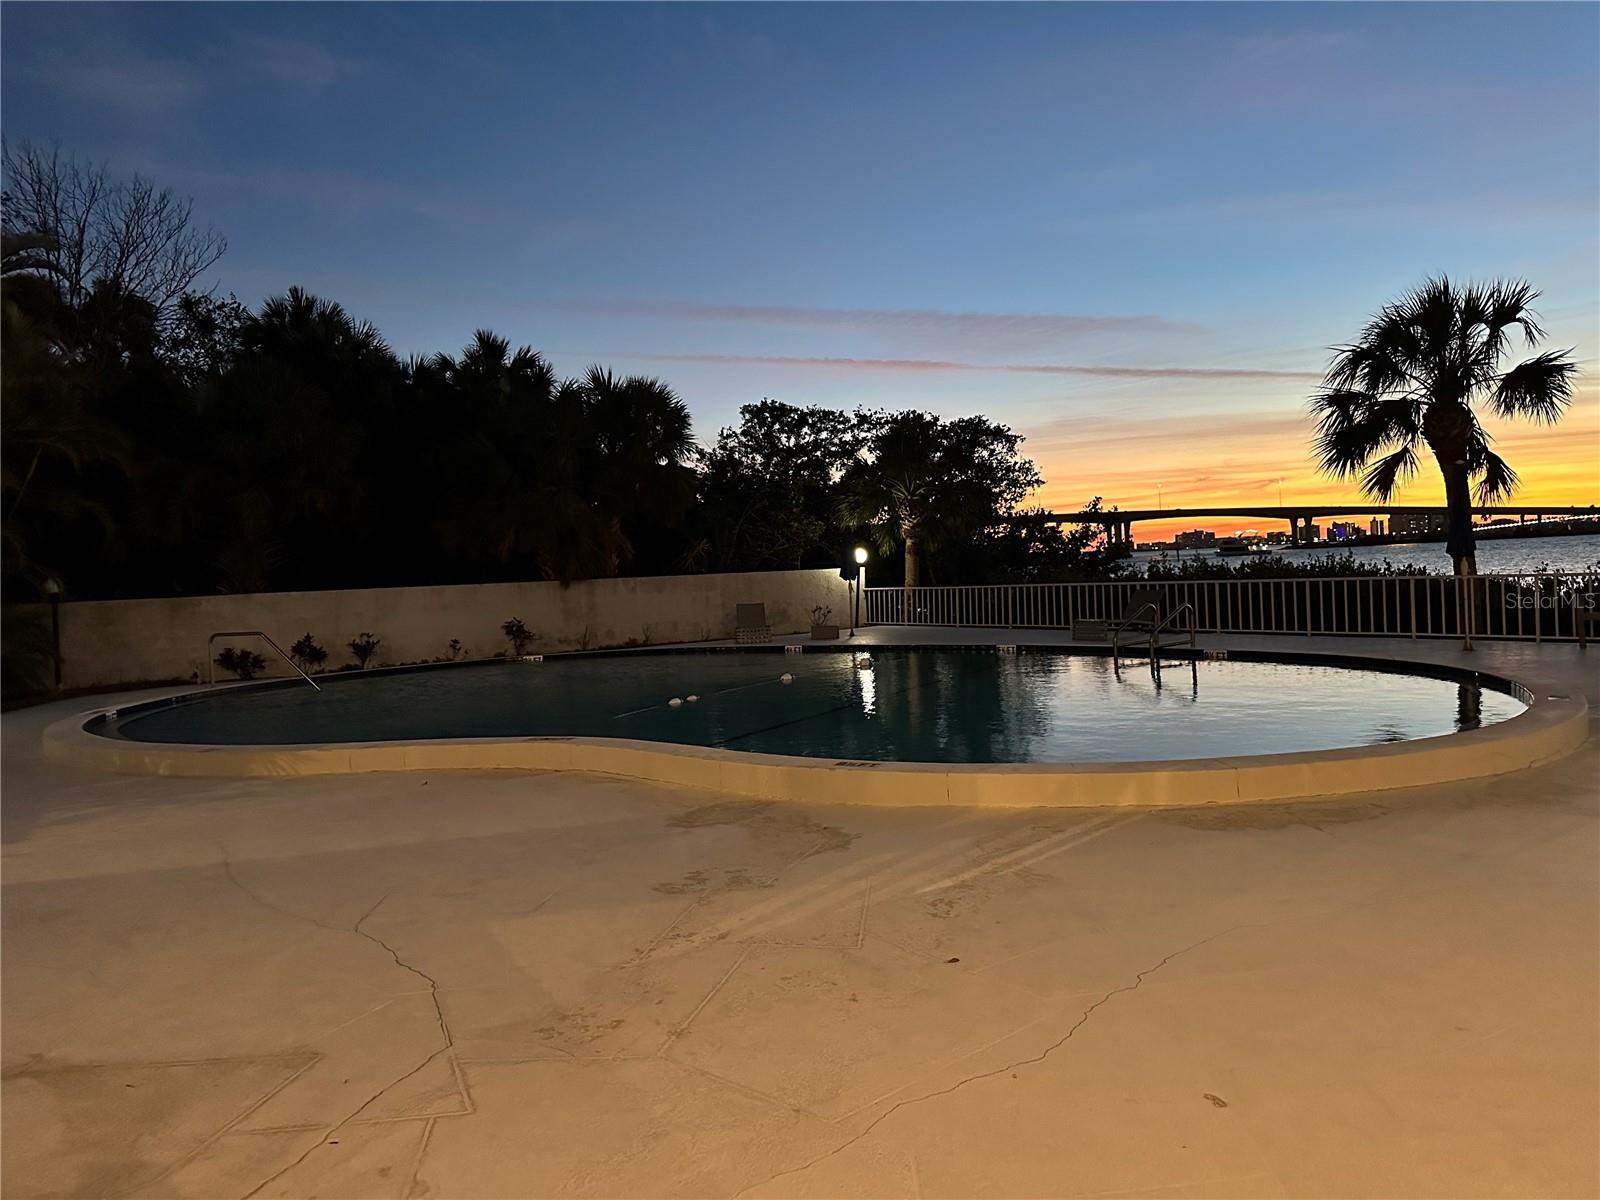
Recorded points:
(910, 705)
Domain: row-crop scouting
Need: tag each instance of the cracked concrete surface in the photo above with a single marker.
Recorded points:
(543, 985)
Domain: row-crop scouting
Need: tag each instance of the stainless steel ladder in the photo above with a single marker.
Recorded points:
(211, 663)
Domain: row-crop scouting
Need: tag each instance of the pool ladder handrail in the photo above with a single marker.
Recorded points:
(1161, 622)
(1127, 620)
(211, 663)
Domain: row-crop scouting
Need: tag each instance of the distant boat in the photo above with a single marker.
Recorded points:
(1235, 547)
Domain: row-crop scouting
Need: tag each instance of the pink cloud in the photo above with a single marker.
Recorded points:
(928, 364)
(928, 323)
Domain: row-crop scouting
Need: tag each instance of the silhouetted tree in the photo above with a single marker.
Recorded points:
(117, 237)
(920, 480)
(51, 434)
(1414, 377)
(767, 487)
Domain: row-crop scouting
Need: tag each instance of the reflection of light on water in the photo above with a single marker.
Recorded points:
(869, 685)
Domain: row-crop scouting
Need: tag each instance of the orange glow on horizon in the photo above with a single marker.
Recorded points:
(1252, 458)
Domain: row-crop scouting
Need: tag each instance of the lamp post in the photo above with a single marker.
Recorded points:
(861, 569)
(52, 589)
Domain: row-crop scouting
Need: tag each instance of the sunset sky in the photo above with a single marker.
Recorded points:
(1130, 232)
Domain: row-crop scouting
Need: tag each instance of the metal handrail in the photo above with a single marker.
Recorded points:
(1162, 624)
(211, 663)
(1536, 606)
(1155, 630)
(1128, 619)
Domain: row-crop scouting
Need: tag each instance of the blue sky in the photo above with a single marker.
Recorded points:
(1181, 206)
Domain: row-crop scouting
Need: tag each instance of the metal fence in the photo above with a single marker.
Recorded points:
(1531, 607)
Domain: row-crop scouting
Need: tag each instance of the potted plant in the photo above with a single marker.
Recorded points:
(821, 630)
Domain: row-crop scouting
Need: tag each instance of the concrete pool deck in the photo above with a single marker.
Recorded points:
(514, 984)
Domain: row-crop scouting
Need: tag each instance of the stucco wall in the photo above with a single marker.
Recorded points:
(126, 641)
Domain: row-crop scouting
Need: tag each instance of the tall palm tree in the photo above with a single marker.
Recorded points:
(636, 442)
(1415, 376)
(921, 481)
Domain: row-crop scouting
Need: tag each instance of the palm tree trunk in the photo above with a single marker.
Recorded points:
(1446, 427)
(913, 570)
(1458, 500)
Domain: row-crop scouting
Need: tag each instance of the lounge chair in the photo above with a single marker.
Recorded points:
(1141, 614)
(750, 624)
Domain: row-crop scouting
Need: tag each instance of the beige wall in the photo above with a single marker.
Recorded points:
(130, 641)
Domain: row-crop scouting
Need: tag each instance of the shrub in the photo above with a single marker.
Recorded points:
(456, 650)
(243, 663)
(820, 614)
(364, 646)
(518, 634)
(308, 656)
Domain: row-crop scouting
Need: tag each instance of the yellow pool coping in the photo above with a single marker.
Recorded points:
(1552, 726)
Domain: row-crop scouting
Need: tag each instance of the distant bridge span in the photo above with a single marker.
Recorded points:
(1119, 522)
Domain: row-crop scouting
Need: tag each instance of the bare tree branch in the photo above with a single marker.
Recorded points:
(125, 236)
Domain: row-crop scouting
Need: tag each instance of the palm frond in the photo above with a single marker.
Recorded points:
(1352, 426)
(1511, 304)
(1539, 389)
(1384, 478)
(1499, 481)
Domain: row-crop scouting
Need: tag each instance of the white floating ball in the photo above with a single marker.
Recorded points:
(786, 678)
(674, 703)
(692, 699)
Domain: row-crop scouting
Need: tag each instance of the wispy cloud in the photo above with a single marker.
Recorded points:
(124, 79)
(119, 75)
(929, 364)
(976, 331)
(293, 63)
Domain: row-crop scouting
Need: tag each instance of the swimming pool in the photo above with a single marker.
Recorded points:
(918, 705)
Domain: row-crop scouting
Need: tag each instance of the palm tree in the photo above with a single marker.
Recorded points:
(634, 440)
(923, 480)
(1414, 377)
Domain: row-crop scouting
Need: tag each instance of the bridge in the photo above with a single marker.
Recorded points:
(1118, 523)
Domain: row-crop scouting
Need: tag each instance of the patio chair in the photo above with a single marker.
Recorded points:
(750, 624)
(1586, 616)
(1141, 614)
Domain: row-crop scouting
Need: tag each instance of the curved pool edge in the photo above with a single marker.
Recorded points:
(1550, 728)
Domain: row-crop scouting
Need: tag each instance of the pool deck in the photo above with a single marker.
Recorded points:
(542, 984)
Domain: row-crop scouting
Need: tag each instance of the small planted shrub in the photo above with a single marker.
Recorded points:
(364, 646)
(519, 635)
(456, 649)
(307, 655)
(821, 628)
(243, 663)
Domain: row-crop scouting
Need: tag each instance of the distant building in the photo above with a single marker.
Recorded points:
(1194, 539)
(1277, 538)
(1343, 531)
(1434, 520)
(1313, 532)
(1375, 527)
